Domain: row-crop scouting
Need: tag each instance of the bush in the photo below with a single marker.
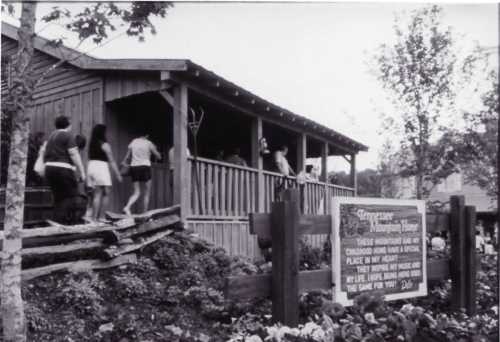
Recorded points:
(81, 294)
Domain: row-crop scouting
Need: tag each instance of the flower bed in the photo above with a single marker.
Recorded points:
(174, 293)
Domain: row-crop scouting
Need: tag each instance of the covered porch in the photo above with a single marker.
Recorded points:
(217, 206)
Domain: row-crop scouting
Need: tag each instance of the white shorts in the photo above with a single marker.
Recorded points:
(98, 174)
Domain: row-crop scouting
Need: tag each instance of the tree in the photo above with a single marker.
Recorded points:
(94, 22)
(422, 73)
(477, 146)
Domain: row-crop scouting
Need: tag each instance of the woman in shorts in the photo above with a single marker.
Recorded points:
(98, 173)
(139, 152)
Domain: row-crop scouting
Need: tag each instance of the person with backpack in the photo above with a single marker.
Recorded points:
(62, 162)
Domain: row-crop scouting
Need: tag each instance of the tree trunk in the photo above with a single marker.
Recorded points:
(19, 102)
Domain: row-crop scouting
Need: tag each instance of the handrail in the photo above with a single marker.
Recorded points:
(222, 163)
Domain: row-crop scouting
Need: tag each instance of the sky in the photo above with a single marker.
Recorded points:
(310, 58)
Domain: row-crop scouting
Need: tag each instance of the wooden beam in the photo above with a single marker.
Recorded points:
(148, 215)
(346, 159)
(324, 162)
(260, 224)
(301, 152)
(285, 256)
(470, 260)
(150, 226)
(115, 251)
(354, 175)
(77, 229)
(169, 98)
(165, 75)
(458, 253)
(78, 266)
(182, 171)
(257, 162)
(63, 248)
(259, 286)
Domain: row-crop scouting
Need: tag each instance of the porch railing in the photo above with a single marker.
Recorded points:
(231, 191)
(226, 190)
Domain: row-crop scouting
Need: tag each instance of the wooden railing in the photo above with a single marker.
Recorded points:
(226, 190)
(231, 191)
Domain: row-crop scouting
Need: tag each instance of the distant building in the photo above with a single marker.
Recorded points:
(455, 184)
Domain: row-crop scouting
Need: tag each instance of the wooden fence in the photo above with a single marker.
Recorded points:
(109, 244)
(285, 224)
(232, 191)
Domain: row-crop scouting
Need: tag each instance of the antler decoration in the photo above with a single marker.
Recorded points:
(196, 120)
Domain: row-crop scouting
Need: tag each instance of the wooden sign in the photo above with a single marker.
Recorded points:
(378, 245)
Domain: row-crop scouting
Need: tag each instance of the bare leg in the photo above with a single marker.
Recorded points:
(104, 201)
(96, 202)
(133, 198)
(147, 191)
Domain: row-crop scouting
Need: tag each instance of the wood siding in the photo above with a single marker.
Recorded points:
(118, 86)
(233, 236)
(66, 90)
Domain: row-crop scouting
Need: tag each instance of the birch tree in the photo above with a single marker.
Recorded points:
(95, 22)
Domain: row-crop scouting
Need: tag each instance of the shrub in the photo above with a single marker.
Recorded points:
(81, 293)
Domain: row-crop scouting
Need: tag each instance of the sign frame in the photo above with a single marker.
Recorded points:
(340, 296)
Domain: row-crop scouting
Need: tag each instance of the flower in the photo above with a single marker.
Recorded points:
(370, 318)
(253, 338)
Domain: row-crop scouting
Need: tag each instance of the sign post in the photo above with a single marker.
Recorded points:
(379, 245)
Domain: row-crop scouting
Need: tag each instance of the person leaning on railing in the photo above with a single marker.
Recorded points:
(283, 167)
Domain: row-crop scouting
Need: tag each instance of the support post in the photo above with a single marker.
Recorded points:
(285, 254)
(182, 170)
(354, 176)
(324, 176)
(457, 262)
(257, 163)
(324, 162)
(470, 256)
(301, 152)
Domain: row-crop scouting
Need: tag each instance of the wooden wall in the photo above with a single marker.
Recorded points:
(67, 90)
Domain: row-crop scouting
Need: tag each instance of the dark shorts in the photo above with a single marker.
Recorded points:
(140, 173)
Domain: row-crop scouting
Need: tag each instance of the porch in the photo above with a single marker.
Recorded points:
(217, 206)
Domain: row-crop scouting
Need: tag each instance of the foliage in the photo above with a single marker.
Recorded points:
(148, 302)
(477, 146)
(423, 73)
(96, 20)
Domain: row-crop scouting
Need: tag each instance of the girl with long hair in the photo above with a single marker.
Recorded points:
(98, 174)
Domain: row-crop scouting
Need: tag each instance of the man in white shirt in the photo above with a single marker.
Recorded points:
(281, 161)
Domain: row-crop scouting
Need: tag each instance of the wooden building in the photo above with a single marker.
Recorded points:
(158, 93)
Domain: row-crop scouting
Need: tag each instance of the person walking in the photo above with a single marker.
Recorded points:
(62, 159)
(98, 172)
(140, 151)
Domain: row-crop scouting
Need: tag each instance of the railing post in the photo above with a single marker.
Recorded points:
(458, 251)
(257, 163)
(470, 256)
(284, 234)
